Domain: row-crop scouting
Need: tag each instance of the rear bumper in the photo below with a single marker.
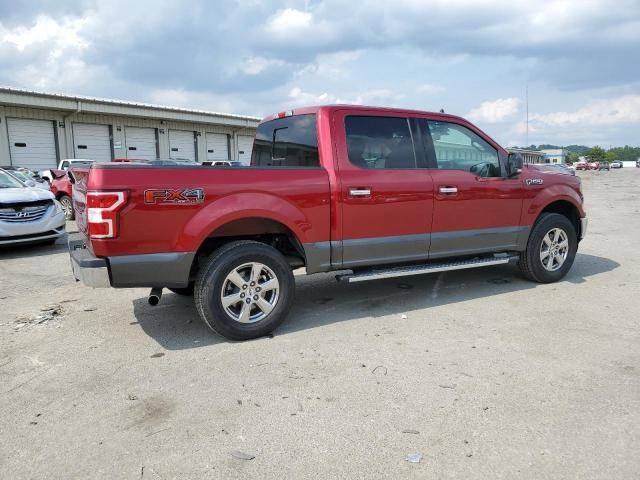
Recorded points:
(88, 269)
(149, 270)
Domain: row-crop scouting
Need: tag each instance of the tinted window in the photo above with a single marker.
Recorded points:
(379, 142)
(286, 142)
(458, 148)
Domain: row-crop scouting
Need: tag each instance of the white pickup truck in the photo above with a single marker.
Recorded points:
(64, 164)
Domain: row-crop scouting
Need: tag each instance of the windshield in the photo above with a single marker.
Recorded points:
(7, 181)
(20, 176)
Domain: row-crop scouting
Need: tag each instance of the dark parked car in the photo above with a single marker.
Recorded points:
(604, 166)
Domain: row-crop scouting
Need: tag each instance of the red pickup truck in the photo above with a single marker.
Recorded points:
(378, 192)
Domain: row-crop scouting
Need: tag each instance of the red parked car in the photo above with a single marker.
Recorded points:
(61, 188)
(381, 192)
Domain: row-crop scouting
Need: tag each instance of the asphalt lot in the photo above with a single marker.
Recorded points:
(481, 372)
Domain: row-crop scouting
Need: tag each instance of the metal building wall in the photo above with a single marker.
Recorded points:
(65, 120)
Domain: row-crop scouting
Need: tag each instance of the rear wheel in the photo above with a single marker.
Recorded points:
(551, 249)
(67, 207)
(244, 290)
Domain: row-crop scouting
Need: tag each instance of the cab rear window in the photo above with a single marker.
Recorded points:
(287, 142)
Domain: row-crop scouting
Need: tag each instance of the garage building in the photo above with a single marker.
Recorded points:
(38, 129)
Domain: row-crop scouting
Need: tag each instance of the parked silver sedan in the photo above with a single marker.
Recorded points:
(28, 214)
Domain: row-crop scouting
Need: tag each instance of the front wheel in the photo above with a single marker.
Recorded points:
(244, 290)
(67, 207)
(551, 249)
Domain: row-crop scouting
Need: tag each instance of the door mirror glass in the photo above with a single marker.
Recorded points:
(514, 164)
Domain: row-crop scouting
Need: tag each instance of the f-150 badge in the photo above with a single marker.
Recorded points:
(534, 181)
(168, 196)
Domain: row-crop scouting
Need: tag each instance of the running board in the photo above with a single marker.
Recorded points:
(376, 274)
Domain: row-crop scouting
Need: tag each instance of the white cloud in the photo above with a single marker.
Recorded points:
(289, 23)
(56, 35)
(257, 65)
(495, 111)
(613, 111)
(376, 96)
(301, 98)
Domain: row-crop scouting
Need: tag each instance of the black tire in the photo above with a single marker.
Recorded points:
(186, 291)
(213, 278)
(531, 264)
(67, 206)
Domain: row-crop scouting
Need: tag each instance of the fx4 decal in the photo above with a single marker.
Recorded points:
(534, 181)
(168, 196)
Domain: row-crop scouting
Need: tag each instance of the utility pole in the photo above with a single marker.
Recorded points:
(527, 107)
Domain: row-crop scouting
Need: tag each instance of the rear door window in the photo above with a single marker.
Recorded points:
(287, 142)
(379, 142)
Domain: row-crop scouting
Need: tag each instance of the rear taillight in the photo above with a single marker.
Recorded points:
(102, 213)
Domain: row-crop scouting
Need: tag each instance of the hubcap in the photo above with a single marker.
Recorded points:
(250, 292)
(554, 249)
(66, 207)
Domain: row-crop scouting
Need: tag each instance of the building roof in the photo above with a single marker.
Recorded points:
(526, 150)
(34, 99)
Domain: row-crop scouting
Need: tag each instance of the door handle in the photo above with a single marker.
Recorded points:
(359, 192)
(450, 189)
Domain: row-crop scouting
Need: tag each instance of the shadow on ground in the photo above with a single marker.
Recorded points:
(10, 252)
(320, 300)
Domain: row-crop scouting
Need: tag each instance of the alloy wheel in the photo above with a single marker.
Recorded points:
(250, 292)
(554, 249)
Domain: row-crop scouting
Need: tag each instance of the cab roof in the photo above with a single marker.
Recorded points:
(332, 107)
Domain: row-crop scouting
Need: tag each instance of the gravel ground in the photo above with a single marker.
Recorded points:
(481, 373)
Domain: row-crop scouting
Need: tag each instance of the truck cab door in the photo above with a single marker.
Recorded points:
(477, 209)
(385, 192)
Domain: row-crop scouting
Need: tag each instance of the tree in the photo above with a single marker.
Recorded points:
(572, 157)
(610, 156)
(596, 154)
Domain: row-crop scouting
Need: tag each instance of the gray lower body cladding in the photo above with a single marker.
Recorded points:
(355, 253)
(151, 270)
(173, 269)
(148, 270)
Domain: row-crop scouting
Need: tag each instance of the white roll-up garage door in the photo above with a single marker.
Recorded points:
(217, 146)
(92, 142)
(182, 145)
(245, 145)
(32, 143)
(141, 143)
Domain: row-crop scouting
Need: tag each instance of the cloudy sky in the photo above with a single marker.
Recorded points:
(580, 58)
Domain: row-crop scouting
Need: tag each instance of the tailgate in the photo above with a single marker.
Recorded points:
(79, 177)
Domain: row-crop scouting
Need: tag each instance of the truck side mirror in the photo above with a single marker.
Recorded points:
(514, 164)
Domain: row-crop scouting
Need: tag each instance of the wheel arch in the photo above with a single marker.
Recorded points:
(263, 229)
(566, 208)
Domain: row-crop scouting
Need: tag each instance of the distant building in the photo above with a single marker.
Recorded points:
(529, 156)
(38, 129)
(555, 155)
